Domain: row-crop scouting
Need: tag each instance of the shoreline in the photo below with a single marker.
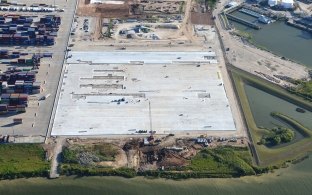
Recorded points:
(289, 165)
(176, 175)
(297, 177)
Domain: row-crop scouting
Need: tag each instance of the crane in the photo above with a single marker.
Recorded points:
(151, 138)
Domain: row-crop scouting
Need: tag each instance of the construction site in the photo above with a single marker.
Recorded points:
(128, 85)
(154, 153)
(115, 92)
(147, 74)
(108, 25)
(142, 73)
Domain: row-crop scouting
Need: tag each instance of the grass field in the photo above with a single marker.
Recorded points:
(22, 160)
(270, 156)
(223, 160)
(305, 89)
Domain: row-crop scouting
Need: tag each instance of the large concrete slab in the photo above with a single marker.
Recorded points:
(165, 97)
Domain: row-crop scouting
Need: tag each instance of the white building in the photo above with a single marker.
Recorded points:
(287, 4)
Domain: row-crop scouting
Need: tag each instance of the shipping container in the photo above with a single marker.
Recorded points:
(5, 96)
(18, 120)
(21, 108)
(12, 108)
(3, 107)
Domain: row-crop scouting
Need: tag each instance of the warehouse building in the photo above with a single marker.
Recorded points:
(130, 93)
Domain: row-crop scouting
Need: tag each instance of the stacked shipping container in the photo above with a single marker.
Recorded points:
(22, 30)
(19, 82)
(21, 59)
(16, 84)
(13, 102)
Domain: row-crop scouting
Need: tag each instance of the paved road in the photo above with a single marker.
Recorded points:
(61, 69)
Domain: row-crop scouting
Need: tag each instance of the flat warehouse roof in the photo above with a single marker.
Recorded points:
(122, 98)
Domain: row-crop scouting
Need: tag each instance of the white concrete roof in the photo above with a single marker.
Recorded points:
(178, 96)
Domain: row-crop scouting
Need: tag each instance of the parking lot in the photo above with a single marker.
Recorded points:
(37, 116)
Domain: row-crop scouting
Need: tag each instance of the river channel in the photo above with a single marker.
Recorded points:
(281, 39)
(263, 103)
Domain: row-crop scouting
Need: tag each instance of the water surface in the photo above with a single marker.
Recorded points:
(281, 39)
(262, 104)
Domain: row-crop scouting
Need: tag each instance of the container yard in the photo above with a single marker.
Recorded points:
(32, 45)
(18, 81)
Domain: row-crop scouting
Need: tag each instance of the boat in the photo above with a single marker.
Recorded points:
(264, 19)
(300, 110)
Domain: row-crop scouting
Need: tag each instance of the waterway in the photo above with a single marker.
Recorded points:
(262, 104)
(281, 39)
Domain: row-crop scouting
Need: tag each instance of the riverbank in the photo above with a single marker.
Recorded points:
(296, 179)
(210, 162)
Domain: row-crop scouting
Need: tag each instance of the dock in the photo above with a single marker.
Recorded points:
(242, 21)
(250, 12)
(266, 13)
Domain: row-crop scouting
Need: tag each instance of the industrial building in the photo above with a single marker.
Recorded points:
(131, 93)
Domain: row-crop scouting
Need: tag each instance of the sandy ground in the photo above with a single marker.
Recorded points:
(56, 157)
